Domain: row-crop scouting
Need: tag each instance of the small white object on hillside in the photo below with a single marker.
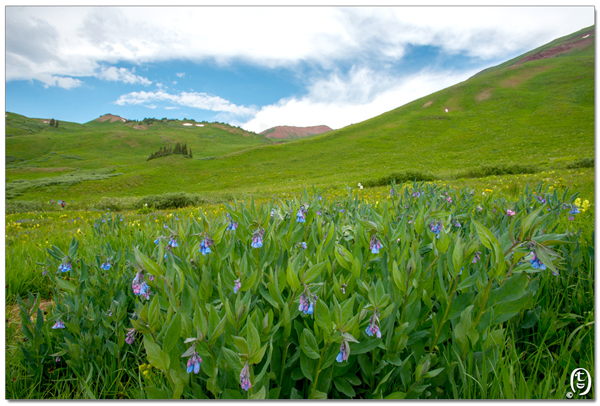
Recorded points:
(199, 125)
(446, 110)
(586, 36)
(187, 124)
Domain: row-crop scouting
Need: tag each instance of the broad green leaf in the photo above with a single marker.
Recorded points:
(308, 344)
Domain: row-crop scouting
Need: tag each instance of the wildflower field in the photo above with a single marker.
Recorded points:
(476, 289)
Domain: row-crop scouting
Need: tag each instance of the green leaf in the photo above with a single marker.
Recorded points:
(308, 344)
(66, 285)
(322, 317)
(73, 248)
(528, 222)
(151, 266)
(343, 257)
(291, 277)
(253, 337)
(457, 256)
(317, 394)
(433, 373)
(396, 395)
(232, 360)
(241, 344)
(490, 241)
(258, 356)
(313, 272)
(343, 386)
(189, 351)
(172, 334)
(465, 330)
(364, 346)
(260, 394)
(218, 331)
(287, 321)
(157, 357)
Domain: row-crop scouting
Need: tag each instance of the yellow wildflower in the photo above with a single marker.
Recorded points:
(578, 202)
(586, 205)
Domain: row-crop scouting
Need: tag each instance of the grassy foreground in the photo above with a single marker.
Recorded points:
(532, 352)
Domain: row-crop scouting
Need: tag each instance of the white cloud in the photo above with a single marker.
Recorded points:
(339, 101)
(180, 74)
(202, 101)
(171, 108)
(114, 74)
(174, 82)
(74, 41)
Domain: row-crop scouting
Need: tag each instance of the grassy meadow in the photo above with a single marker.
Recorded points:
(116, 296)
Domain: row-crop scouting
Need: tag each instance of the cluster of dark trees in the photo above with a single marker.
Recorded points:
(53, 123)
(168, 150)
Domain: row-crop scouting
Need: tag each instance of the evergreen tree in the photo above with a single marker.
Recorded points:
(51, 123)
(56, 124)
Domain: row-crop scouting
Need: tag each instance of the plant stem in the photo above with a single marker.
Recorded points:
(285, 348)
(485, 297)
(437, 335)
(507, 274)
(318, 372)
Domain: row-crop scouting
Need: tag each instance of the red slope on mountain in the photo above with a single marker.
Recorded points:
(282, 132)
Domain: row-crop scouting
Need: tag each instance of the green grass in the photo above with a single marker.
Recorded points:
(539, 114)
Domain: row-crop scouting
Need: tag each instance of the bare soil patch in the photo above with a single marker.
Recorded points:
(286, 132)
(429, 103)
(578, 43)
(110, 117)
(525, 73)
(484, 95)
(231, 129)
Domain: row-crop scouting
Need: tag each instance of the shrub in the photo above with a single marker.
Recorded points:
(497, 170)
(581, 163)
(116, 203)
(23, 206)
(170, 201)
(400, 177)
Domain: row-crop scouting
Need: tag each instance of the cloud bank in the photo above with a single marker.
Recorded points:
(339, 101)
(196, 100)
(76, 41)
(349, 52)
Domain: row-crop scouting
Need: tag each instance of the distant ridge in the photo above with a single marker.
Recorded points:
(283, 132)
(111, 118)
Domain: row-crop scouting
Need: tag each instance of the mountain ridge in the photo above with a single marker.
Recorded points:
(291, 132)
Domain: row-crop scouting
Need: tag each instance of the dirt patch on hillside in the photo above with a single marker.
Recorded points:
(484, 95)
(232, 130)
(577, 43)
(110, 118)
(525, 73)
(287, 132)
(429, 103)
(140, 127)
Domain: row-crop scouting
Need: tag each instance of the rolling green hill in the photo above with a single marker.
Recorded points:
(535, 109)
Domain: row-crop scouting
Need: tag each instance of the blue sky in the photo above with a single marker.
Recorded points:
(258, 67)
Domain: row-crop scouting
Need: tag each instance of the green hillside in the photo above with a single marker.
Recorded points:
(538, 112)
(36, 151)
